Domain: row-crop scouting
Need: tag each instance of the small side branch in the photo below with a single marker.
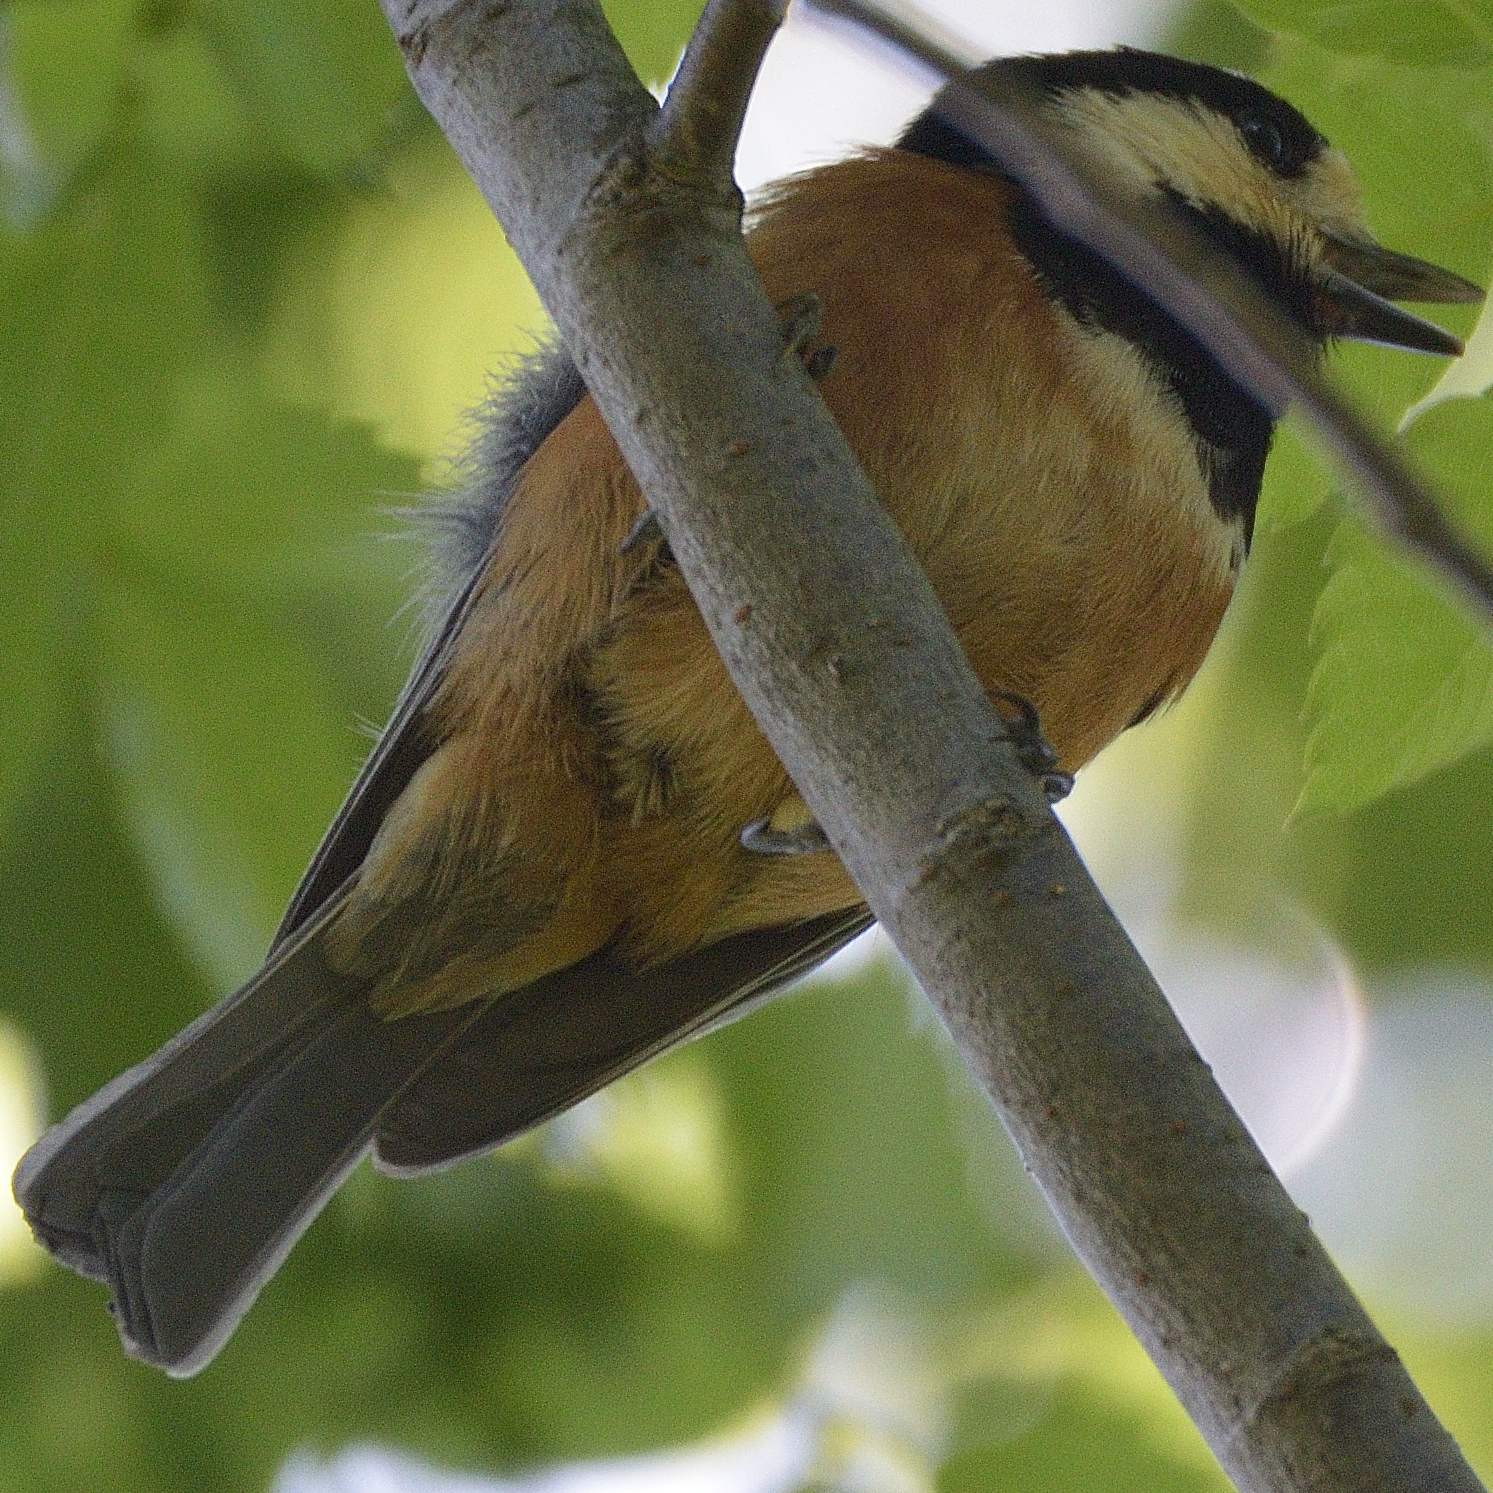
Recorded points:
(700, 124)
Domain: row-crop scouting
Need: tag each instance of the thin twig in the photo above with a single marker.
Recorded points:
(1152, 246)
(701, 119)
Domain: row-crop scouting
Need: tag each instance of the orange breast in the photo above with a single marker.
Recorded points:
(1044, 478)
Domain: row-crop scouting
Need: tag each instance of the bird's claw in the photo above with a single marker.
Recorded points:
(646, 530)
(801, 315)
(761, 838)
(819, 362)
(1033, 750)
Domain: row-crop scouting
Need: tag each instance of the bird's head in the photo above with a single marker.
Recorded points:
(1247, 169)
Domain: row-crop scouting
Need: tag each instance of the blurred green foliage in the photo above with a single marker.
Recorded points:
(244, 297)
(1429, 33)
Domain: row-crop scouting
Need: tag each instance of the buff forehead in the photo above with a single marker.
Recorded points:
(1199, 153)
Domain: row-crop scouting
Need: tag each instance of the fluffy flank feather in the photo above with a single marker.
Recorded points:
(458, 525)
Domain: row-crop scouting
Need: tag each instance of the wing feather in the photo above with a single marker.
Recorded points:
(460, 526)
(541, 1049)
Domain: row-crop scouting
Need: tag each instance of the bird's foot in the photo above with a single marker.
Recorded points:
(801, 315)
(647, 530)
(761, 839)
(820, 361)
(789, 830)
(1033, 749)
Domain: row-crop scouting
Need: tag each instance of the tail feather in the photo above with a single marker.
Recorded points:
(176, 1096)
(184, 1183)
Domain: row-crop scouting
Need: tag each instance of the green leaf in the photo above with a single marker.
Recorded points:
(1404, 684)
(231, 753)
(1397, 690)
(653, 33)
(1081, 1440)
(1466, 377)
(321, 77)
(397, 309)
(191, 114)
(68, 60)
(1428, 33)
(41, 539)
(90, 969)
(243, 631)
(1297, 481)
(98, 310)
(254, 498)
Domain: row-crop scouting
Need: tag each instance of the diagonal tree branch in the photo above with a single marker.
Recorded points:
(838, 645)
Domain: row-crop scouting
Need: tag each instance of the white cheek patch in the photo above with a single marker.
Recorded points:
(1142, 140)
(1146, 139)
(1328, 195)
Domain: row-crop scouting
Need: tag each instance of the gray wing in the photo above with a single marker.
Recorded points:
(541, 1049)
(459, 527)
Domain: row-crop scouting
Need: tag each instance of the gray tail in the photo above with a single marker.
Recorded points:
(183, 1183)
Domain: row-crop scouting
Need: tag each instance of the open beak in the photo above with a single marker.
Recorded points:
(1353, 298)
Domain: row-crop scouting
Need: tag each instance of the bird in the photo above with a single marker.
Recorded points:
(571, 847)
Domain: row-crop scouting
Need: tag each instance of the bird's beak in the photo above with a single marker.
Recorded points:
(1354, 295)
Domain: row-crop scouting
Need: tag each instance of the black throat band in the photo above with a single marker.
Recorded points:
(1233, 429)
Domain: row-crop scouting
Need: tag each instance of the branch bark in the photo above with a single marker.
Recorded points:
(627, 220)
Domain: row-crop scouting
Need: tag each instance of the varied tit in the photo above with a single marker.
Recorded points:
(541, 877)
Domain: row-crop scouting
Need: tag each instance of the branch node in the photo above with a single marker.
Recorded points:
(414, 43)
(415, 26)
(969, 838)
(1318, 1374)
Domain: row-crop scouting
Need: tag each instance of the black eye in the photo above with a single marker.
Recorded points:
(1264, 141)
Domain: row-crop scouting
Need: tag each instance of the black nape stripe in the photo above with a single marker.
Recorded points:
(1233, 428)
